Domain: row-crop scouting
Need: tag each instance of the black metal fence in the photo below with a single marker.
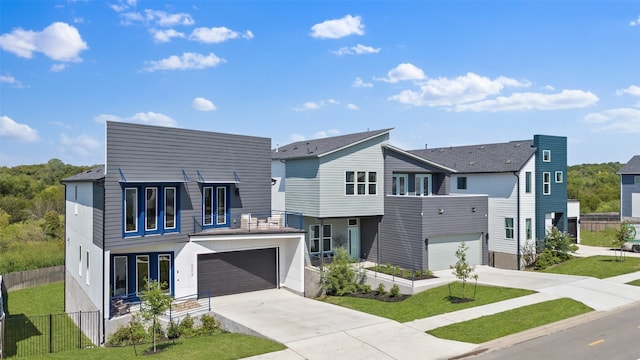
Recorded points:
(37, 335)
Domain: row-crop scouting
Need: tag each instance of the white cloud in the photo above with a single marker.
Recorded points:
(462, 89)
(123, 5)
(548, 87)
(621, 120)
(202, 104)
(82, 145)
(631, 90)
(8, 79)
(78, 20)
(352, 107)
(403, 72)
(149, 118)
(58, 41)
(358, 82)
(184, 62)
(325, 133)
(356, 50)
(217, 35)
(10, 129)
(338, 28)
(149, 16)
(635, 22)
(315, 105)
(296, 137)
(566, 99)
(163, 36)
(57, 67)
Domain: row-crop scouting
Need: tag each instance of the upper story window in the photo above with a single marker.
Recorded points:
(546, 183)
(215, 209)
(636, 179)
(528, 228)
(423, 184)
(508, 228)
(527, 182)
(546, 155)
(361, 183)
(150, 209)
(400, 184)
(462, 183)
(559, 176)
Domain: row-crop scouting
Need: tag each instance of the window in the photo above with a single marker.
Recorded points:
(400, 184)
(87, 277)
(151, 210)
(131, 210)
(462, 183)
(80, 261)
(636, 179)
(361, 183)
(350, 179)
(121, 275)
(170, 208)
(546, 183)
(75, 201)
(142, 271)
(527, 182)
(528, 228)
(315, 237)
(423, 184)
(508, 227)
(559, 176)
(164, 272)
(546, 155)
(373, 182)
(221, 205)
(207, 204)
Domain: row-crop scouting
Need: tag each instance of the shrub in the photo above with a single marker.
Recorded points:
(340, 277)
(133, 333)
(365, 288)
(395, 291)
(380, 289)
(159, 331)
(172, 330)
(556, 251)
(407, 274)
(209, 325)
(185, 328)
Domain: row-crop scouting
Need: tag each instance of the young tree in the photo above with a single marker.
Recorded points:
(624, 234)
(154, 302)
(462, 269)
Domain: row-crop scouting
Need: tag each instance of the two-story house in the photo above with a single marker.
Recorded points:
(630, 190)
(526, 185)
(191, 209)
(379, 202)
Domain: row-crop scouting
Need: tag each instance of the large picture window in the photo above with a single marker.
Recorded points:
(150, 209)
(315, 237)
(215, 206)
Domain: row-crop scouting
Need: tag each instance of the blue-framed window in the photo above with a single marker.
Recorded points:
(128, 272)
(150, 209)
(215, 206)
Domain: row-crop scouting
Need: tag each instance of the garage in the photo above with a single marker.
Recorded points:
(236, 272)
(442, 250)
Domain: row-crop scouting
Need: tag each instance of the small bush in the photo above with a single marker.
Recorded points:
(380, 289)
(210, 326)
(133, 333)
(340, 277)
(185, 328)
(159, 331)
(395, 291)
(407, 274)
(172, 330)
(365, 288)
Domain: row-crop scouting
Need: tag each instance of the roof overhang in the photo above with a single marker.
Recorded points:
(418, 158)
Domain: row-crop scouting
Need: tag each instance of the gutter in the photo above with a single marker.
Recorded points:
(515, 173)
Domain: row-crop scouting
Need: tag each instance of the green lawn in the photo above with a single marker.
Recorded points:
(428, 303)
(634, 282)
(596, 266)
(222, 346)
(603, 238)
(39, 300)
(510, 322)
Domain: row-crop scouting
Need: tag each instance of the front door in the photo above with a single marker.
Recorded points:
(354, 238)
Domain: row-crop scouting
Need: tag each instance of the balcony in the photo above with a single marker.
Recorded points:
(273, 222)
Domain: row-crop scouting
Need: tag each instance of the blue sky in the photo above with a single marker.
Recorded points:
(441, 73)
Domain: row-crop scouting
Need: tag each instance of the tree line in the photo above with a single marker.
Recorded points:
(597, 186)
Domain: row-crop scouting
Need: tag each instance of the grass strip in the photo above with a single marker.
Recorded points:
(509, 322)
(600, 267)
(429, 302)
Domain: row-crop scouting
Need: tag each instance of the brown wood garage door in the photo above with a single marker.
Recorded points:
(237, 271)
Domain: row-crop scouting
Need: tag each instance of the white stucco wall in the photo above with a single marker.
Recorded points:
(278, 197)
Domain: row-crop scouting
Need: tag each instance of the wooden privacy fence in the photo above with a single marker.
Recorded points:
(31, 278)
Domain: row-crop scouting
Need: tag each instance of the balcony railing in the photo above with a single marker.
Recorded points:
(259, 221)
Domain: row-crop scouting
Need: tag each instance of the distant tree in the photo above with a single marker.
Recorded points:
(597, 186)
(624, 234)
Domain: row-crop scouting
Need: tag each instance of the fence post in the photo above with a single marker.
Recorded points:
(50, 333)
(80, 330)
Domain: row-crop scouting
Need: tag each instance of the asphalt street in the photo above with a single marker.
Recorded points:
(615, 336)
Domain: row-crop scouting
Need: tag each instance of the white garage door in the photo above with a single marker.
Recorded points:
(442, 250)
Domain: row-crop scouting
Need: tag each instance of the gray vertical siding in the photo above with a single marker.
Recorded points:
(98, 214)
(369, 237)
(401, 236)
(160, 155)
(628, 187)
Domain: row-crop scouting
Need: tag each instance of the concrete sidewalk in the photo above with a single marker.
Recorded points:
(315, 330)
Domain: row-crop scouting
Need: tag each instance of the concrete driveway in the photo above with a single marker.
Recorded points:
(315, 330)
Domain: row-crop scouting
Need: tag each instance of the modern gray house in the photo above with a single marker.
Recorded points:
(527, 188)
(630, 190)
(381, 203)
(191, 209)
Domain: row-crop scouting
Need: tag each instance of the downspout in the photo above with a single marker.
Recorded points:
(515, 173)
(103, 265)
(64, 284)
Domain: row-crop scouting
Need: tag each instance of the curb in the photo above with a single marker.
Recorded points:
(544, 330)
